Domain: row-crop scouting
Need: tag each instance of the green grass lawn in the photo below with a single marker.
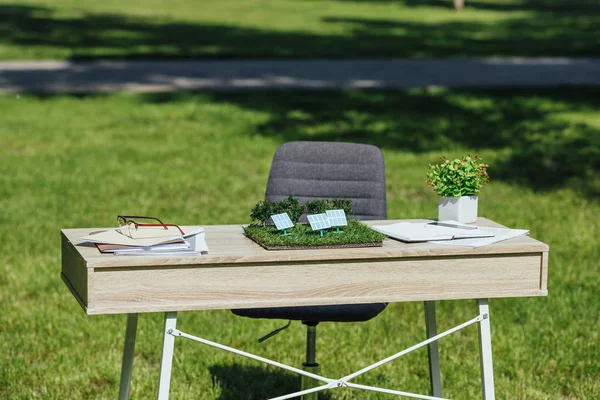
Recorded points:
(67, 29)
(78, 161)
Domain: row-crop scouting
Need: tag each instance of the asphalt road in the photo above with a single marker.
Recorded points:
(159, 76)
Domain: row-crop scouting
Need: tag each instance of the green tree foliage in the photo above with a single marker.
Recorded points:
(292, 206)
(263, 210)
(315, 206)
(343, 204)
(456, 178)
(320, 206)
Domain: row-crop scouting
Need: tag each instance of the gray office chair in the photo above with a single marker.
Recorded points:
(324, 170)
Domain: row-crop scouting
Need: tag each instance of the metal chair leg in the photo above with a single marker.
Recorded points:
(310, 365)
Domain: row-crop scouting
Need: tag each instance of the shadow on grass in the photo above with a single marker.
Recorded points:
(538, 144)
(552, 28)
(574, 7)
(238, 382)
(537, 147)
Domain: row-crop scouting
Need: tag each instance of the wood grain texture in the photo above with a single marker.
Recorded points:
(544, 271)
(121, 290)
(238, 273)
(74, 271)
(228, 245)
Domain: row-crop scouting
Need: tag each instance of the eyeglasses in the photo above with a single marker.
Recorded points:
(128, 227)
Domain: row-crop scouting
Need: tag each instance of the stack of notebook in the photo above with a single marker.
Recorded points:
(151, 241)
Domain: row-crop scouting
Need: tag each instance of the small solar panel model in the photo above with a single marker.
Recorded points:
(282, 222)
(319, 222)
(337, 218)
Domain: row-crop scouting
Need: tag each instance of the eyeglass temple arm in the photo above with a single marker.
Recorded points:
(126, 217)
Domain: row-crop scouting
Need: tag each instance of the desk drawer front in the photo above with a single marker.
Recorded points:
(223, 287)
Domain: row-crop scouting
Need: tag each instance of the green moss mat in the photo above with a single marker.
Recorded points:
(356, 234)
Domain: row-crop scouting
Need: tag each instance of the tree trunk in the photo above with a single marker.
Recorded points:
(458, 5)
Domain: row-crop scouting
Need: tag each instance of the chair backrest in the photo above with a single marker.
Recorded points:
(324, 170)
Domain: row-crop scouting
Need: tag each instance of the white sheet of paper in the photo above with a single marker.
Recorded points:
(196, 241)
(185, 245)
(113, 236)
(500, 234)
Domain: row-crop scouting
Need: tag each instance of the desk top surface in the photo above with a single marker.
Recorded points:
(228, 245)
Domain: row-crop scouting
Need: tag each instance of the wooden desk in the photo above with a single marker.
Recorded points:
(238, 273)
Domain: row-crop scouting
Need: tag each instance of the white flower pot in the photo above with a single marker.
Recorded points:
(462, 209)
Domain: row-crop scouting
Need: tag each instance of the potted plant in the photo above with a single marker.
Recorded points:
(457, 183)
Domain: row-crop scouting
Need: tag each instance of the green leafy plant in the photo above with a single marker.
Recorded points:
(292, 206)
(315, 206)
(456, 178)
(320, 206)
(263, 210)
(343, 204)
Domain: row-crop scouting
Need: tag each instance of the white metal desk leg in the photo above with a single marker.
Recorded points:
(128, 349)
(166, 359)
(485, 351)
(435, 376)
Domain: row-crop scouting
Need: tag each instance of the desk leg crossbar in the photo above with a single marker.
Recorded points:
(333, 383)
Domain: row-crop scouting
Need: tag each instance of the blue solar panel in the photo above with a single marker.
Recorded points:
(282, 221)
(319, 221)
(337, 217)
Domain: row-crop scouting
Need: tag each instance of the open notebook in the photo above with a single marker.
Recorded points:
(430, 231)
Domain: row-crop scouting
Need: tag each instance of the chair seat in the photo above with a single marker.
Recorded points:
(329, 313)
